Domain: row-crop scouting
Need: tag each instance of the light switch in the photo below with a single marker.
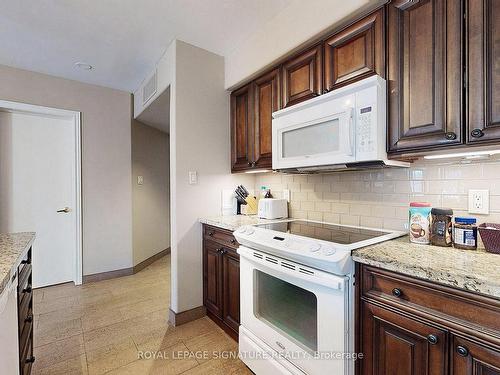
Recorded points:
(193, 177)
(140, 180)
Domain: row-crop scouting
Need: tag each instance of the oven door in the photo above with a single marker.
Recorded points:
(299, 312)
(325, 140)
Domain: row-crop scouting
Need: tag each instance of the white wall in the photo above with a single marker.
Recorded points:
(295, 25)
(106, 156)
(199, 142)
(151, 200)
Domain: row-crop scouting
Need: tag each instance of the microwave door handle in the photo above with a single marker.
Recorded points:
(351, 130)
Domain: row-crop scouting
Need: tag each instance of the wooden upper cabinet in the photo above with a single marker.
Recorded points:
(356, 52)
(266, 101)
(241, 128)
(302, 76)
(395, 344)
(424, 74)
(469, 358)
(483, 71)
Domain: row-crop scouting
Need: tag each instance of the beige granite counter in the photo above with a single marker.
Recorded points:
(233, 222)
(476, 271)
(13, 248)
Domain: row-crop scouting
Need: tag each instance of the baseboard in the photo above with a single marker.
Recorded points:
(124, 271)
(140, 266)
(177, 319)
(108, 275)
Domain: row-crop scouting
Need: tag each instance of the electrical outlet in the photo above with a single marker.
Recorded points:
(193, 177)
(479, 202)
(140, 180)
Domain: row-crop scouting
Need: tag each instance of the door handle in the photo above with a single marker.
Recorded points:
(65, 210)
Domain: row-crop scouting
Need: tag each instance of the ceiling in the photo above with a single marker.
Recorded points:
(121, 39)
(157, 114)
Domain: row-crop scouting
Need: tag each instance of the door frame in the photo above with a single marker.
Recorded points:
(75, 116)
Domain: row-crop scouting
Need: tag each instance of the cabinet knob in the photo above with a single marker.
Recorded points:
(477, 133)
(462, 351)
(219, 250)
(30, 359)
(249, 163)
(432, 339)
(397, 292)
(26, 261)
(233, 241)
(211, 234)
(29, 319)
(325, 91)
(253, 164)
(28, 289)
(450, 136)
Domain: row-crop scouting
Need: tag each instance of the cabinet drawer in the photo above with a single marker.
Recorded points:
(425, 298)
(224, 237)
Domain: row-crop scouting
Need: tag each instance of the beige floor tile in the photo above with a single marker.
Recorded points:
(214, 344)
(220, 367)
(73, 366)
(59, 351)
(107, 358)
(168, 362)
(54, 331)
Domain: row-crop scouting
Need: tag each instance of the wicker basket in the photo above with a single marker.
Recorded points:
(490, 234)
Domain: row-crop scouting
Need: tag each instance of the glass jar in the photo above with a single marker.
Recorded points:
(465, 233)
(441, 226)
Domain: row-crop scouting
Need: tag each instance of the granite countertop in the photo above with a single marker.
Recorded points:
(233, 222)
(13, 248)
(476, 271)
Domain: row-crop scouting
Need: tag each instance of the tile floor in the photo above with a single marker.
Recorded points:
(115, 326)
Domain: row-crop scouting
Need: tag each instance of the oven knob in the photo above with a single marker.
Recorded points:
(328, 252)
(314, 247)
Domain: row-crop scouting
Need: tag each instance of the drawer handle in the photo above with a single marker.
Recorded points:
(30, 359)
(233, 241)
(219, 250)
(462, 351)
(396, 292)
(29, 318)
(477, 133)
(432, 339)
(28, 289)
(211, 234)
(450, 136)
(26, 261)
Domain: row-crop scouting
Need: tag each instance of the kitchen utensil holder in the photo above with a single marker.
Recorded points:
(490, 234)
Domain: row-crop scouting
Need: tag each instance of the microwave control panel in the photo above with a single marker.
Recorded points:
(366, 133)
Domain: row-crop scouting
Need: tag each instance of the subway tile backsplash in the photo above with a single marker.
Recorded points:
(380, 198)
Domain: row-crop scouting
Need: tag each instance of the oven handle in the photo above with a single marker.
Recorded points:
(319, 277)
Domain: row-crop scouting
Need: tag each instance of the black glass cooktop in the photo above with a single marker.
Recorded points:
(327, 232)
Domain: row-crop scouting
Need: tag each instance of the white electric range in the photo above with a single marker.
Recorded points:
(297, 289)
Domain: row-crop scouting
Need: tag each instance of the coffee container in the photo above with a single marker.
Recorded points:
(419, 222)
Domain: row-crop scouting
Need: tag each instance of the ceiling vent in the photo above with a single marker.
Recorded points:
(149, 89)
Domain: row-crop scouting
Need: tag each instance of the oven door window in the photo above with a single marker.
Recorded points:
(290, 310)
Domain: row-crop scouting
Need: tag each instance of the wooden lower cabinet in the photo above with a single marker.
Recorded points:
(469, 358)
(221, 279)
(400, 345)
(25, 315)
(408, 326)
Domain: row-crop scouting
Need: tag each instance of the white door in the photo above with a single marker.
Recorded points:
(38, 178)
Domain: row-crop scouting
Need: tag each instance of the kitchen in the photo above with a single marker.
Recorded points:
(379, 243)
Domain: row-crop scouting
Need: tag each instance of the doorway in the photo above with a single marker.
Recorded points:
(40, 187)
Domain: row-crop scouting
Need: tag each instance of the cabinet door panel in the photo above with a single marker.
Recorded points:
(356, 52)
(302, 76)
(267, 100)
(483, 71)
(231, 287)
(469, 358)
(212, 274)
(424, 74)
(241, 128)
(395, 344)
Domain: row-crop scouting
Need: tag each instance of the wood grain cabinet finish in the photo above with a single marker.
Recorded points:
(241, 128)
(411, 326)
(302, 76)
(356, 52)
(483, 71)
(469, 358)
(221, 279)
(267, 99)
(400, 345)
(424, 66)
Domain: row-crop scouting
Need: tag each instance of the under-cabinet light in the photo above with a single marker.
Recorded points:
(466, 155)
(259, 171)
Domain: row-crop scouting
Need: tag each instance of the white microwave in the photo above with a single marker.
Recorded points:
(345, 128)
